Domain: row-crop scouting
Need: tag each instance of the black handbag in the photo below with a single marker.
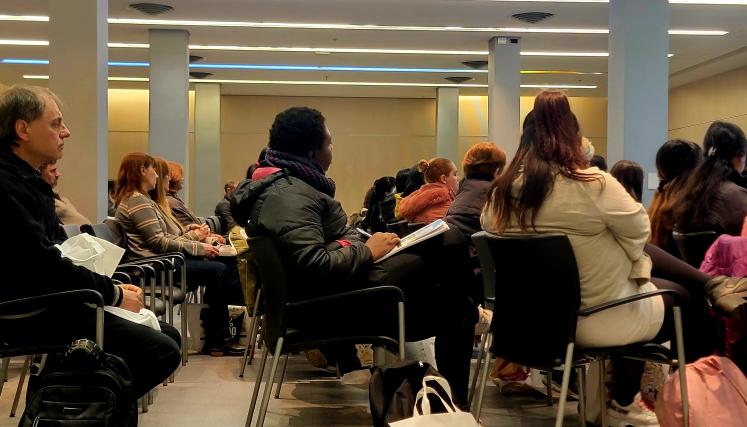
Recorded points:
(393, 389)
(85, 387)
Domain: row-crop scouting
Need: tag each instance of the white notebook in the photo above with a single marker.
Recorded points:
(433, 229)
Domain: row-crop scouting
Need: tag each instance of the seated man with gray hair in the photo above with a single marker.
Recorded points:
(33, 133)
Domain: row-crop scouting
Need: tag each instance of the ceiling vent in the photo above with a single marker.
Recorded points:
(195, 58)
(476, 65)
(458, 79)
(199, 74)
(151, 8)
(531, 17)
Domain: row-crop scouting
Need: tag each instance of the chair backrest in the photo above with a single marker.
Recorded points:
(214, 223)
(693, 246)
(536, 284)
(274, 281)
(111, 231)
(71, 229)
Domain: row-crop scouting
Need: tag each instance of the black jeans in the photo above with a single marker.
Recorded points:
(436, 277)
(150, 355)
(222, 287)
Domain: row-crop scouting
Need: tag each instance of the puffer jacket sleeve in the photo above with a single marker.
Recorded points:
(301, 237)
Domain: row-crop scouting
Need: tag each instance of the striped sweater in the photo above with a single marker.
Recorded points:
(147, 231)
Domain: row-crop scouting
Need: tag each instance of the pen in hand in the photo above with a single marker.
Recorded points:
(361, 231)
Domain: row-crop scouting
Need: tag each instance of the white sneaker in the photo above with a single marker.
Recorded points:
(483, 322)
(637, 414)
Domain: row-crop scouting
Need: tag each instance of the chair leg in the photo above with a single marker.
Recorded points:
(21, 380)
(602, 392)
(478, 367)
(251, 330)
(4, 373)
(483, 378)
(581, 375)
(270, 380)
(564, 385)
(185, 328)
(548, 387)
(282, 377)
(257, 385)
(401, 328)
(681, 367)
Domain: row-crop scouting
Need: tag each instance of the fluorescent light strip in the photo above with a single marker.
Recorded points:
(327, 26)
(332, 50)
(11, 42)
(308, 67)
(330, 26)
(330, 83)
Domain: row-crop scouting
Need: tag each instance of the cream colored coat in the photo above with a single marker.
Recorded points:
(608, 231)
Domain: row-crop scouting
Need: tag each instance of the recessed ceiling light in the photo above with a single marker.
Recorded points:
(331, 83)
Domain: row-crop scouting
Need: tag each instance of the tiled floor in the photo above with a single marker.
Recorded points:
(208, 393)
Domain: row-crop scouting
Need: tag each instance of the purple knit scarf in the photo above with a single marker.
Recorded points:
(306, 169)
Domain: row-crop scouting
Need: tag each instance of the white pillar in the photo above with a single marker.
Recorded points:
(504, 92)
(447, 123)
(208, 189)
(78, 71)
(638, 80)
(169, 98)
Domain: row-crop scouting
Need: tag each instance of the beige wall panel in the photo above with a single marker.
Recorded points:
(591, 113)
(122, 143)
(359, 116)
(361, 159)
(692, 107)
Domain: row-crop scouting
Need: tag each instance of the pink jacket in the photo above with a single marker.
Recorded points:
(727, 256)
(429, 203)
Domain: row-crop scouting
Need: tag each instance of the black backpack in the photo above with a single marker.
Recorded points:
(85, 387)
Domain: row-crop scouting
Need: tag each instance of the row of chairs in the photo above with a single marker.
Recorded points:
(543, 337)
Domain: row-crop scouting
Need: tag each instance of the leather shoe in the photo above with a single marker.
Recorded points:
(224, 349)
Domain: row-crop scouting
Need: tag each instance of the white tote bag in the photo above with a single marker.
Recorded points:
(453, 417)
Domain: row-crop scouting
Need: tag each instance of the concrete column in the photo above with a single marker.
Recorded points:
(169, 98)
(207, 189)
(447, 123)
(638, 80)
(504, 92)
(78, 71)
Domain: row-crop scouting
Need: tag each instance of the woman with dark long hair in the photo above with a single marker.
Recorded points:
(711, 200)
(546, 189)
(630, 175)
(675, 160)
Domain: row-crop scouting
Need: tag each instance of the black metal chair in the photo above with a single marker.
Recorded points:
(13, 314)
(165, 274)
(540, 269)
(71, 229)
(693, 246)
(291, 326)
